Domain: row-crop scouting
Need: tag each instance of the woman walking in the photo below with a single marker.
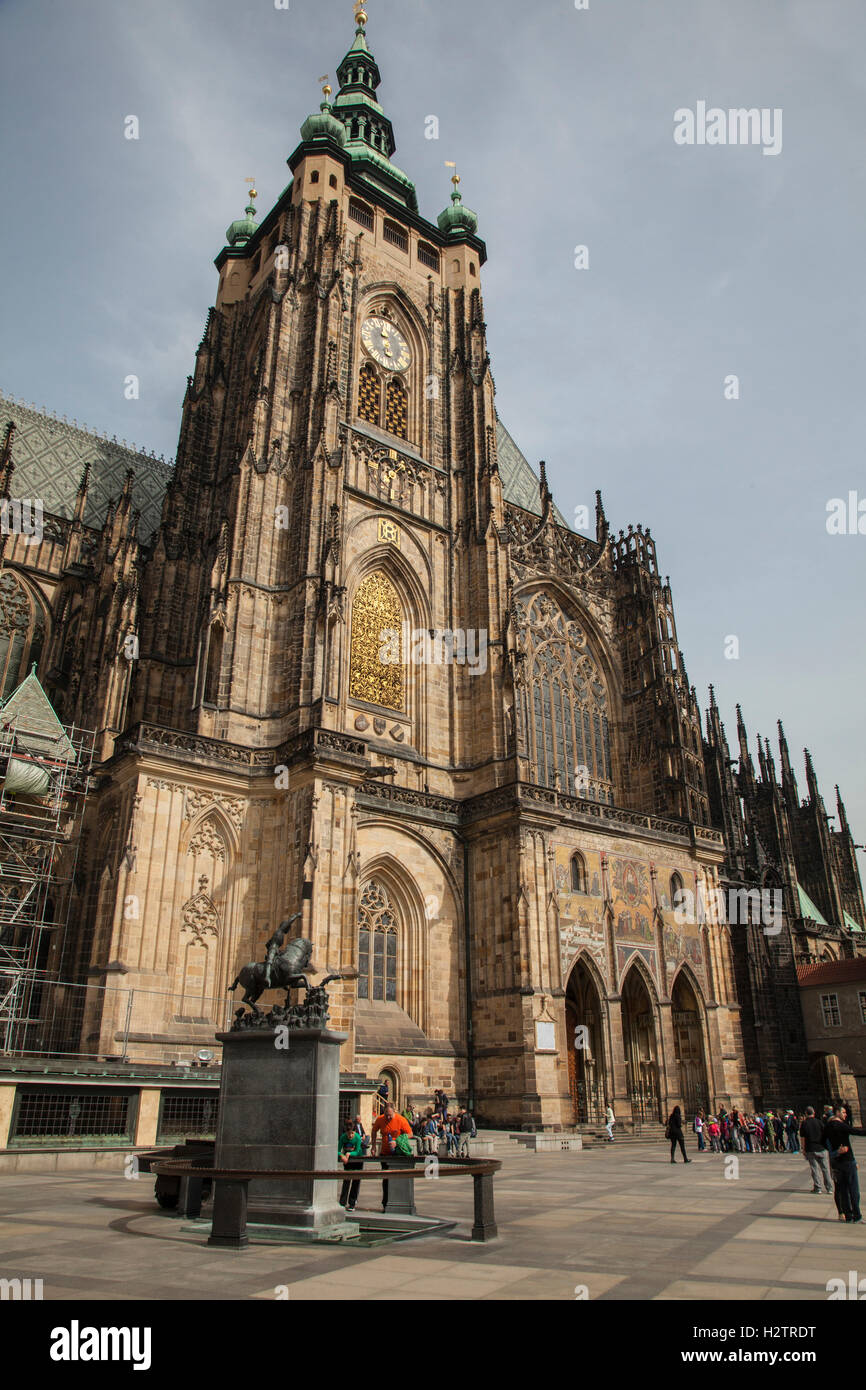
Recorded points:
(674, 1132)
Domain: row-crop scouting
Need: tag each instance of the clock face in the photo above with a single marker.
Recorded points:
(385, 344)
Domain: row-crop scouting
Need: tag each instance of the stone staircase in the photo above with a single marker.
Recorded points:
(498, 1143)
(595, 1136)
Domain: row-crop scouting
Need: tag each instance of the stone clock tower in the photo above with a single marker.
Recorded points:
(379, 677)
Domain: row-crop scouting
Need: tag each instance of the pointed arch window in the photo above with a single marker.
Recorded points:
(567, 707)
(214, 665)
(22, 632)
(676, 887)
(578, 873)
(377, 944)
(369, 394)
(397, 408)
(376, 657)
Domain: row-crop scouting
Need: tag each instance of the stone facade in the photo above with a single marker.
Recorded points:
(486, 834)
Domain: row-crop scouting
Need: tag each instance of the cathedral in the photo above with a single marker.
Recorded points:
(346, 657)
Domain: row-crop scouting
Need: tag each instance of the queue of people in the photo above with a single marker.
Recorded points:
(738, 1131)
(824, 1142)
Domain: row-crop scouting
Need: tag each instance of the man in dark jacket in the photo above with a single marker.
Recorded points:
(843, 1164)
(815, 1150)
(467, 1131)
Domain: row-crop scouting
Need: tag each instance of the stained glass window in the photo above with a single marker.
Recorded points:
(377, 944)
(569, 734)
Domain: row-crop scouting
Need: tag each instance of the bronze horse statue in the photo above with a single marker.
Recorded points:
(281, 970)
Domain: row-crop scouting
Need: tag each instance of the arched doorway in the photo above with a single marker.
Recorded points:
(833, 1080)
(641, 1048)
(586, 1060)
(689, 1047)
(388, 1082)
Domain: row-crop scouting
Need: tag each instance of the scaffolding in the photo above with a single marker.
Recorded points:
(44, 779)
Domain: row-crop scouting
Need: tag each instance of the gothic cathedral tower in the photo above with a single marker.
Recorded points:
(380, 679)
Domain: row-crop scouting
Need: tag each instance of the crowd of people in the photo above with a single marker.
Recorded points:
(403, 1135)
(824, 1142)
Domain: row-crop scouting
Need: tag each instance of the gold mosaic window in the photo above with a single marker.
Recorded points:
(377, 944)
(369, 394)
(376, 661)
(396, 408)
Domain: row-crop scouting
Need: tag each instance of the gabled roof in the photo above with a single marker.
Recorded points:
(37, 730)
(50, 456)
(808, 908)
(519, 479)
(832, 972)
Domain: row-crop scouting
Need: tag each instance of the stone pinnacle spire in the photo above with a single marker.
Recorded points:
(747, 769)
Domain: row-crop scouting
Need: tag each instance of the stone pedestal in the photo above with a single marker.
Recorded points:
(279, 1109)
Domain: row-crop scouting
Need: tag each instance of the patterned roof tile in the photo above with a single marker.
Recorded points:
(50, 456)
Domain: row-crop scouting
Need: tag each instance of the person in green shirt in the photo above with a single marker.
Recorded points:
(350, 1149)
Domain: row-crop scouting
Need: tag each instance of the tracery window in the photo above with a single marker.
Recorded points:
(376, 660)
(22, 632)
(567, 713)
(396, 408)
(369, 394)
(377, 944)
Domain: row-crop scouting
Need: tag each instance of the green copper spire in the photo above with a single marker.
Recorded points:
(457, 221)
(368, 133)
(240, 231)
(323, 125)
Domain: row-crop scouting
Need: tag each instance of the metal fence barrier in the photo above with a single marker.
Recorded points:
(113, 1021)
(55, 1115)
(187, 1115)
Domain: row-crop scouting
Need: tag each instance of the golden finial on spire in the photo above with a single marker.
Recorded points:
(360, 14)
(253, 192)
(455, 177)
(326, 89)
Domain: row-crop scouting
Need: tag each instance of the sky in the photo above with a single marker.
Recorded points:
(706, 261)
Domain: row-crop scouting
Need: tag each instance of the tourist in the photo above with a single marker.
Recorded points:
(735, 1130)
(466, 1129)
(749, 1133)
(698, 1127)
(779, 1134)
(715, 1135)
(430, 1135)
(815, 1150)
(350, 1153)
(843, 1165)
(451, 1136)
(792, 1130)
(359, 1129)
(387, 1131)
(609, 1122)
(674, 1132)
